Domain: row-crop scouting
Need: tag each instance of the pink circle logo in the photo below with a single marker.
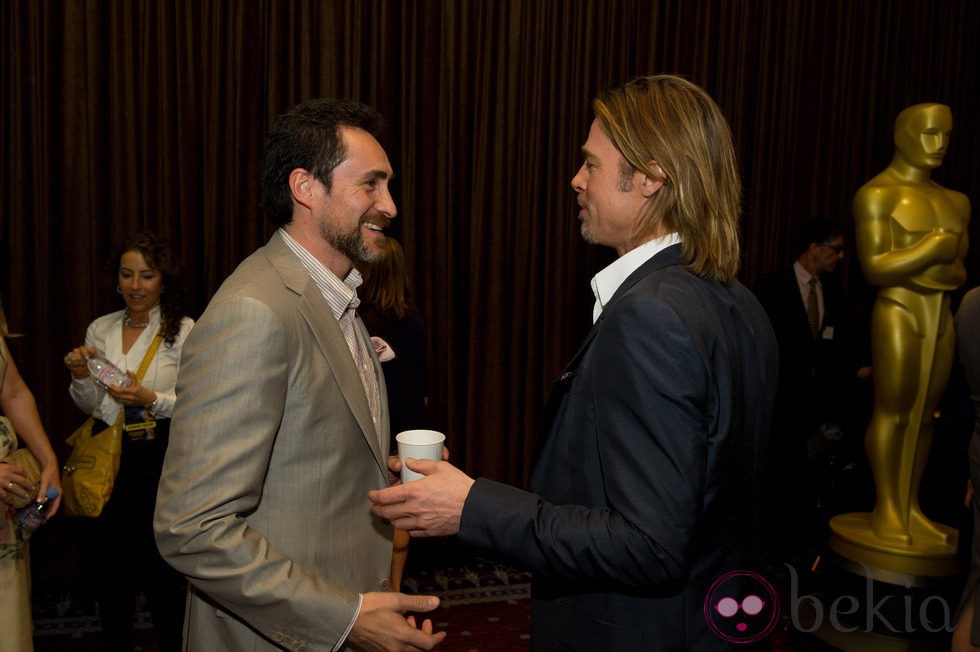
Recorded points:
(741, 607)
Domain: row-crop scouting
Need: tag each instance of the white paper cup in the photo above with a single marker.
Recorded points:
(421, 445)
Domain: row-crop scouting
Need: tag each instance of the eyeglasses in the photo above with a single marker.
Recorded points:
(751, 605)
(838, 248)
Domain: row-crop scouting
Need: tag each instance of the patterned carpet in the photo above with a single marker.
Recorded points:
(67, 615)
(474, 583)
(485, 627)
(484, 608)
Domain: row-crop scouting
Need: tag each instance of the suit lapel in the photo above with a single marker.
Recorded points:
(329, 338)
(669, 257)
(559, 388)
(796, 306)
(384, 425)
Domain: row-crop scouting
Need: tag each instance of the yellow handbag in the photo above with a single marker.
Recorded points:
(89, 474)
(24, 458)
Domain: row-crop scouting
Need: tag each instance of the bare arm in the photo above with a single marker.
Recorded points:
(17, 403)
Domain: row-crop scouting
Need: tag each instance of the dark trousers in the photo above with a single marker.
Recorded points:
(122, 554)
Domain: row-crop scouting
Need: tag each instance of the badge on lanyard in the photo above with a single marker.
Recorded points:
(139, 424)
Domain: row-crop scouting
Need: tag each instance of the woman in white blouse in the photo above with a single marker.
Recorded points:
(118, 545)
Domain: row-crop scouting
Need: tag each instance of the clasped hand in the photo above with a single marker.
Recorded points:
(132, 395)
(14, 484)
(429, 507)
(76, 360)
(381, 627)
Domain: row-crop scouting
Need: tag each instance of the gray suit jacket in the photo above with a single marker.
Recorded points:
(263, 500)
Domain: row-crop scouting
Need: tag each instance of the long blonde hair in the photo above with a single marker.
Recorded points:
(669, 121)
(4, 331)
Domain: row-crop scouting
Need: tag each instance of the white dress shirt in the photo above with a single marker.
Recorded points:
(607, 281)
(105, 334)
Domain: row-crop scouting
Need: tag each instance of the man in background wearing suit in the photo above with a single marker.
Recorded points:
(281, 425)
(646, 483)
(807, 307)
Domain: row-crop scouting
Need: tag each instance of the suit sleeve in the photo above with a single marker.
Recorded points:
(649, 389)
(231, 396)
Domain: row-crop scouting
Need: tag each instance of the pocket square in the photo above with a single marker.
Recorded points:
(383, 349)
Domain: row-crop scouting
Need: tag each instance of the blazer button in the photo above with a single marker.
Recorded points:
(384, 584)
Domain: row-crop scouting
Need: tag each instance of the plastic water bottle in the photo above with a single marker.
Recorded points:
(104, 373)
(34, 515)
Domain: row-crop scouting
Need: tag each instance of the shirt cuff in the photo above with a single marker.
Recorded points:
(357, 612)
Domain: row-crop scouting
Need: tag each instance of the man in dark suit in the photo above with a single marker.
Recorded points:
(647, 480)
(808, 311)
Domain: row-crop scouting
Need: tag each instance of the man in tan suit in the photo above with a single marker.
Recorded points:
(281, 425)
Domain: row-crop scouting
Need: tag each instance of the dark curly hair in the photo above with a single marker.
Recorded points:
(159, 256)
(308, 136)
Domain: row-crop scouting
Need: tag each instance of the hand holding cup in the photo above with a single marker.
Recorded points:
(418, 444)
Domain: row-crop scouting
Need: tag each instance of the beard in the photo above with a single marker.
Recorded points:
(587, 234)
(351, 243)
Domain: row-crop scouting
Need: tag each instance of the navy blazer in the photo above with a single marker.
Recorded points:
(646, 484)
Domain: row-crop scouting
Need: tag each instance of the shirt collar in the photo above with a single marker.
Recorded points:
(802, 276)
(607, 281)
(340, 294)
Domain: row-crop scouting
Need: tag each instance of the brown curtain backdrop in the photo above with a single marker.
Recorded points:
(120, 115)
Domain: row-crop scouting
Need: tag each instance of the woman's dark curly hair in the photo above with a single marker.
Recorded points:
(159, 256)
